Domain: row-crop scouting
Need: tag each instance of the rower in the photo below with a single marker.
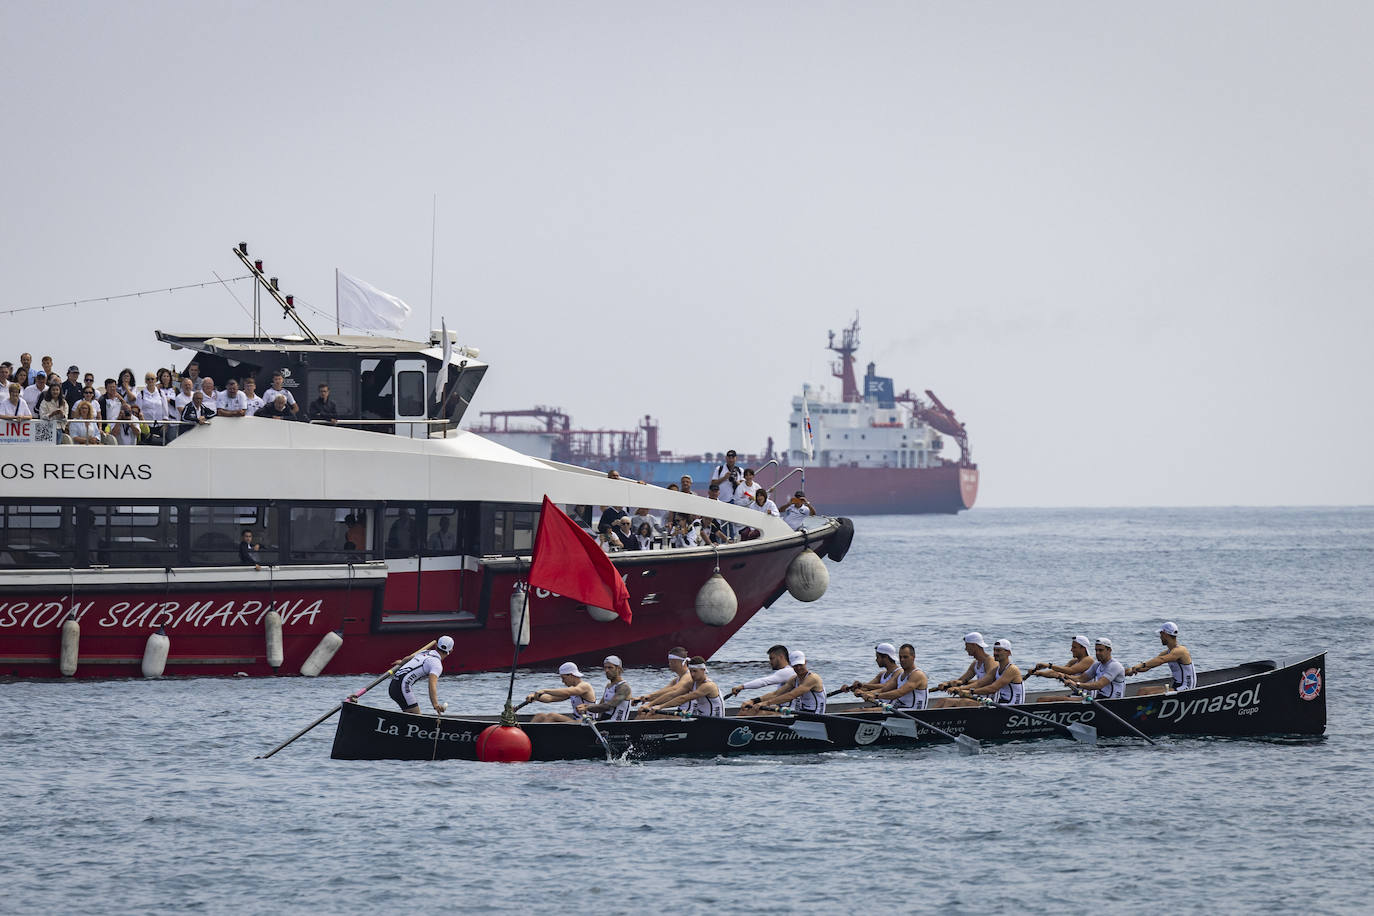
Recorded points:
(615, 699)
(1177, 657)
(681, 680)
(977, 649)
(429, 663)
(782, 672)
(1079, 663)
(1003, 684)
(885, 656)
(575, 690)
(1106, 679)
(702, 699)
(804, 691)
(908, 690)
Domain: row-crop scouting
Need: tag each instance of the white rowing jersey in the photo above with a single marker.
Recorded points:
(885, 678)
(1185, 676)
(811, 701)
(705, 706)
(1115, 674)
(421, 666)
(576, 700)
(1009, 693)
(980, 670)
(916, 699)
(621, 711)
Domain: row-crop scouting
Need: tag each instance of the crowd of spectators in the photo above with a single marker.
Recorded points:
(121, 412)
(620, 528)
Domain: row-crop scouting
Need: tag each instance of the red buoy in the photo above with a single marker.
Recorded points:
(503, 744)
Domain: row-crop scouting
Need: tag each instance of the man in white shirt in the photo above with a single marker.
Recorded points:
(34, 393)
(15, 405)
(782, 672)
(231, 402)
(798, 510)
(277, 390)
(727, 476)
(255, 403)
(211, 396)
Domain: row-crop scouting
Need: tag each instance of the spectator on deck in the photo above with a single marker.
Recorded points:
(111, 403)
(6, 373)
(21, 375)
(798, 510)
(610, 515)
(765, 505)
(249, 553)
(167, 386)
(644, 535)
(199, 411)
(125, 427)
(34, 392)
(727, 476)
(744, 493)
(231, 402)
(250, 393)
(275, 409)
(686, 484)
(400, 540)
(183, 396)
(71, 388)
(277, 390)
(626, 534)
(25, 363)
(323, 410)
(84, 430)
(646, 516)
(125, 384)
(193, 373)
(207, 388)
(87, 397)
(88, 381)
(46, 363)
(444, 540)
(15, 405)
(152, 403)
(53, 406)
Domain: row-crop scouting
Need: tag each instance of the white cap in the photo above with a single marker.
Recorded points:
(445, 643)
(1002, 644)
(1083, 641)
(1104, 641)
(886, 648)
(975, 639)
(569, 668)
(614, 660)
(796, 657)
(1168, 628)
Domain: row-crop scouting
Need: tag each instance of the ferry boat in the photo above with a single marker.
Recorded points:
(372, 535)
(874, 451)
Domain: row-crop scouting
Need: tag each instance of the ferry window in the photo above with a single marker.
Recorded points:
(343, 390)
(37, 536)
(327, 534)
(512, 531)
(215, 531)
(442, 531)
(399, 523)
(410, 394)
(133, 535)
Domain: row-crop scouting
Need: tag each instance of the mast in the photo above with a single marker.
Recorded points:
(843, 368)
(288, 303)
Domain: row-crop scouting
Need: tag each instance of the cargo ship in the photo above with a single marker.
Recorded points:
(873, 451)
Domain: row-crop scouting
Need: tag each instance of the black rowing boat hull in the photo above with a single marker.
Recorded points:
(1253, 700)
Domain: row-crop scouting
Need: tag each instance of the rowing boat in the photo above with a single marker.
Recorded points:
(1260, 698)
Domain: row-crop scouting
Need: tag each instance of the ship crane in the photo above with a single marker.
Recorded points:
(940, 418)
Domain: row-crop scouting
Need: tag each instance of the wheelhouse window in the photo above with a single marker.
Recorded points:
(329, 534)
(401, 525)
(133, 535)
(214, 533)
(410, 394)
(509, 531)
(443, 531)
(343, 390)
(37, 536)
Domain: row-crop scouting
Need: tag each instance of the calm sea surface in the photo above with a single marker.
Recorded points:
(132, 797)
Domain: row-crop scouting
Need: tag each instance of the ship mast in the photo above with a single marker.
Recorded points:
(843, 368)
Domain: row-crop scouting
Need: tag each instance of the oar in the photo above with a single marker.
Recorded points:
(591, 723)
(966, 744)
(817, 731)
(838, 690)
(1097, 705)
(352, 698)
(1077, 730)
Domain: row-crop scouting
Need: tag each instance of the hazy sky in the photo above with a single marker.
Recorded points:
(1131, 245)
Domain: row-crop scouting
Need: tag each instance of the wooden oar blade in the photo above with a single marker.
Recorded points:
(1085, 734)
(816, 731)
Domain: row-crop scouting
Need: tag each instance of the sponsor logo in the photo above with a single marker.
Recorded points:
(1063, 718)
(744, 736)
(1145, 712)
(423, 734)
(138, 615)
(1176, 709)
(1310, 684)
(868, 732)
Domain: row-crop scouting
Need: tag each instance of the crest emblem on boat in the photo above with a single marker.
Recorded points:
(1310, 684)
(867, 733)
(740, 737)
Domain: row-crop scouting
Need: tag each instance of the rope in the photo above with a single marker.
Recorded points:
(146, 292)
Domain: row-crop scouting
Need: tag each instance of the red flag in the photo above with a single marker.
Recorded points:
(567, 561)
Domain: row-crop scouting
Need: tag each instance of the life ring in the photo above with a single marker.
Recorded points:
(839, 542)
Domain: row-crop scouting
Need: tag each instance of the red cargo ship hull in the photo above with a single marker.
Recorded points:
(946, 489)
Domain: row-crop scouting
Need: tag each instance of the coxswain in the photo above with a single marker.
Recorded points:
(615, 699)
(908, 690)
(1003, 684)
(575, 690)
(804, 691)
(1079, 662)
(681, 679)
(1177, 657)
(701, 699)
(885, 657)
(982, 663)
(429, 663)
(782, 672)
(1106, 679)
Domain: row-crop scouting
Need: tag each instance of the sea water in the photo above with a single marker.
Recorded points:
(132, 796)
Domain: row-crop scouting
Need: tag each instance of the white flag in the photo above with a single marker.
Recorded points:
(806, 431)
(441, 382)
(366, 308)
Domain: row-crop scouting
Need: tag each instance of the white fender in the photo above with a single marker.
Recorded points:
(601, 615)
(155, 653)
(274, 652)
(807, 577)
(71, 646)
(519, 616)
(716, 602)
(322, 653)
